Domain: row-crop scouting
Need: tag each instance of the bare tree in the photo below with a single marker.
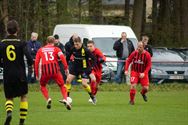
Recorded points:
(95, 11)
(137, 17)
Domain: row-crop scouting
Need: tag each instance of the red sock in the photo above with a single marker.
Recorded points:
(132, 94)
(63, 91)
(144, 91)
(96, 90)
(44, 92)
(93, 87)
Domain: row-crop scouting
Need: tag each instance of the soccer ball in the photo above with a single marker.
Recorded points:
(69, 100)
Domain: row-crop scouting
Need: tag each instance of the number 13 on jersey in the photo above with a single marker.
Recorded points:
(49, 56)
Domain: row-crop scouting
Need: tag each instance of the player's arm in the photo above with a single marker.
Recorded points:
(63, 60)
(148, 64)
(128, 61)
(37, 61)
(102, 58)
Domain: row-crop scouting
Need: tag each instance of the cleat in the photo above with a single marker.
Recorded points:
(8, 118)
(131, 102)
(144, 97)
(49, 102)
(66, 103)
(93, 100)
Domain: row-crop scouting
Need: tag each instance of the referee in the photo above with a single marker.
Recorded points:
(12, 51)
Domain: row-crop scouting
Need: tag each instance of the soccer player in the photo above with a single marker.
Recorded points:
(12, 51)
(48, 55)
(80, 66)
(141, 64)
(97, 70)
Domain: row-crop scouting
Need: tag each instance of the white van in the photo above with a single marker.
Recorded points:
(104, 37)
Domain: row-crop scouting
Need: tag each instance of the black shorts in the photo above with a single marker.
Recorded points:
(15, 89)
(83, 72)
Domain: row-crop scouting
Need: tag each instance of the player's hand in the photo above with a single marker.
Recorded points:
(67, 72)
(126, 73)
(141, 75)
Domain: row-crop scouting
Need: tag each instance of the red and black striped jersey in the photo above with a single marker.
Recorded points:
(141, 63)
(49, 55)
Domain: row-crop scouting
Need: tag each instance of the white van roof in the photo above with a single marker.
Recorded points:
(97, 30)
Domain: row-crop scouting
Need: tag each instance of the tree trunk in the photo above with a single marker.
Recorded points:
(154, 21)
(5, 12)
(45, 25)
(126, 12)
(62, 11)
(184, 22)
(95, 11)
(137, 17)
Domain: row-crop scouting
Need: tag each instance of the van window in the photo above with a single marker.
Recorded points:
(106, 44)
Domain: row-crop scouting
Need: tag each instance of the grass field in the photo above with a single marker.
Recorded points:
(167, 105)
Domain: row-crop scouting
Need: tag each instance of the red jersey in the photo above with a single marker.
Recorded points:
(100, 57)
(141, 63)
(49, 55)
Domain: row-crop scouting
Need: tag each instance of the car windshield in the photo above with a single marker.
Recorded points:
(106, 44)
(166, 55)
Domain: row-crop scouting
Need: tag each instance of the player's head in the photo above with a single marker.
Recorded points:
(140, 47)
(145, 39)
(91, 45)
(77, 42)
(56, 38)
(34, 36)
(50, 40)
(12, 27)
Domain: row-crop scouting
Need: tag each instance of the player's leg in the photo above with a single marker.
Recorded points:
(23, 109)
(59, 80)
(69, 79)
(9, 105)
(145, 87)
(92, 82)
(134, 81)
(43, 82)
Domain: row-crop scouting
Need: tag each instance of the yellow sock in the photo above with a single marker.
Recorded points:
(68, 87)
(9, 105)
(88, 89)
(23, 110)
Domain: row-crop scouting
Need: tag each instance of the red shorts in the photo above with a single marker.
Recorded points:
(57, 77)
(135, 79)
(98, 76)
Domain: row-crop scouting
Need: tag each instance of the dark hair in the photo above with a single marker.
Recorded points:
(90, 42)
(12, 27)
(56, 36)
(77, 40)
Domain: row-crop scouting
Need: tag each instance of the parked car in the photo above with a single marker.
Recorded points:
(168, 65)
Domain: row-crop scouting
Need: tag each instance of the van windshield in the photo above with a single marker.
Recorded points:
(106, 44)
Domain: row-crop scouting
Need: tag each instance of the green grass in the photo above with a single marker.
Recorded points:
(168, 105)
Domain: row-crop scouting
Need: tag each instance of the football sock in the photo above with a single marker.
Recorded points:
(88, 89)
(9, 105)
(93, 87)
(132, 94)
(144, 91)
(44, 92)
(68, 87)
(23, 111)
(63, 91)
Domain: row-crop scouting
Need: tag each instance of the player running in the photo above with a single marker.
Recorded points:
(12, 51)
(141, 64)
(97, 70)
(80, 66)
(48, 55)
